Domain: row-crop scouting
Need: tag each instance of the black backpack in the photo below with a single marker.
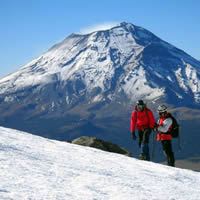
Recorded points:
(175, 127)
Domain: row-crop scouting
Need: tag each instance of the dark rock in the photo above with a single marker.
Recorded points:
(100, 144)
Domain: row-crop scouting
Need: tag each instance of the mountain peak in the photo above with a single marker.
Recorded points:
(106, 27)
(126, 24)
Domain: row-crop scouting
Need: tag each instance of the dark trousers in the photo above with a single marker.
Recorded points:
(144, 143)
(167, 148)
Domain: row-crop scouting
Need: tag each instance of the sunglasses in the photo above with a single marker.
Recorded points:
(140, 106)
(160, 113)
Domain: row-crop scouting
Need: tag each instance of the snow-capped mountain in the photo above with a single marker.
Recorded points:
(104, 65)
(87, 85)
(36, 168)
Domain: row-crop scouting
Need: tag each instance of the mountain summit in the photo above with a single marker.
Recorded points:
(86, 84)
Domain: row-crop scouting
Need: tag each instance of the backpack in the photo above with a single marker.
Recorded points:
(175, 127)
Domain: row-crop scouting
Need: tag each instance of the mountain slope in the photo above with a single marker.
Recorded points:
(36, 168)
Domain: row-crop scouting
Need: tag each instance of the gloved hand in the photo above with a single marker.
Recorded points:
(155, 128)
(133, 135)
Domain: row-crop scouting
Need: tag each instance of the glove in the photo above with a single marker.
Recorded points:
(155, 128)
(133, 135)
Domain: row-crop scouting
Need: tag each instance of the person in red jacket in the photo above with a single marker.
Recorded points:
(142, 119)
(163, 128)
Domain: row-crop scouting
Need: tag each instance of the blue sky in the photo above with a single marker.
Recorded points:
(30, 27)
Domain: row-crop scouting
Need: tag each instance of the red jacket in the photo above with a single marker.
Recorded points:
(164, 136)
(142, 119)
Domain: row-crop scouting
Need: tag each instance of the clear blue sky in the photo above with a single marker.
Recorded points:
(30, 27)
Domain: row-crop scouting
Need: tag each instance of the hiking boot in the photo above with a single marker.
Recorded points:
(142, 157)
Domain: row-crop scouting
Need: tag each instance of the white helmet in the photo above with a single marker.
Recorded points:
(162, 108)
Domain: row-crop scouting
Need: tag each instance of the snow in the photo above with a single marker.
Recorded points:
(86, 55)
(95, 58)
(37, 168)
(136, 86)
(194, 83)
(180, 79)
(188, 80)
(169, 78)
